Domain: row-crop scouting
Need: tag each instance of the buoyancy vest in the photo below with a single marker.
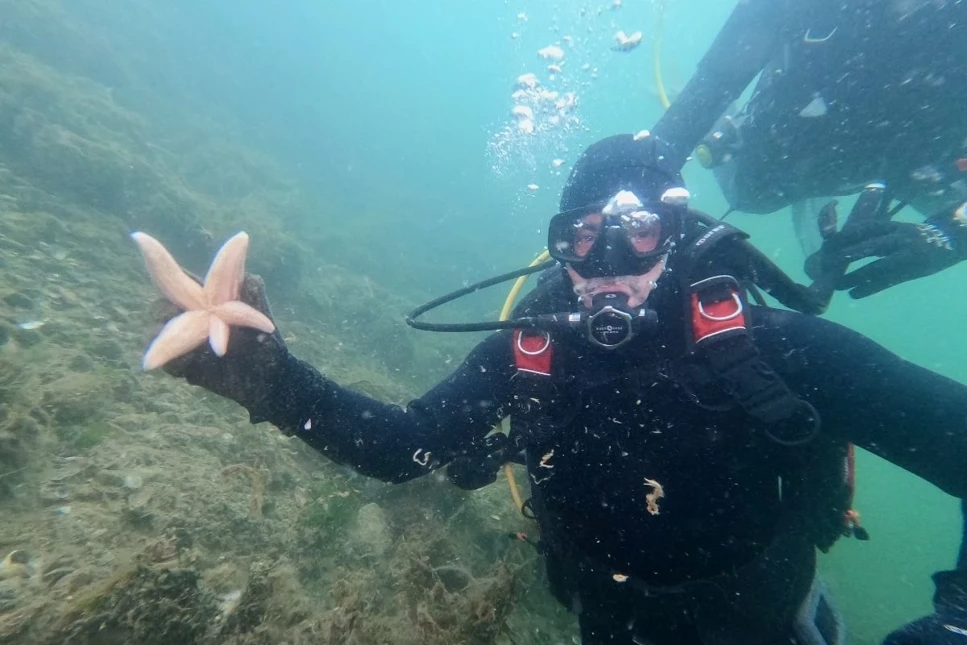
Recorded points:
(720, 368)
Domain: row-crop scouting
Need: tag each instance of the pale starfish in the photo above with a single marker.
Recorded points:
(208, 310)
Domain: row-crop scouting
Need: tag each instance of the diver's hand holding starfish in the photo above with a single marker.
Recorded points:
(209, 310)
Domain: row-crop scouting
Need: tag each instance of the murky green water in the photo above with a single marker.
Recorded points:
(370, 151)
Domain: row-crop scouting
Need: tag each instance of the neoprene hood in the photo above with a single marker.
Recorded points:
(620, 162)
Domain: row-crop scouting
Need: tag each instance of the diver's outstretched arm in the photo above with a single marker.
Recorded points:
(911, 416)
(741, 49)
(381, 440)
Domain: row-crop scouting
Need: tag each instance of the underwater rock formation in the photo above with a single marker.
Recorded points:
(138, 508)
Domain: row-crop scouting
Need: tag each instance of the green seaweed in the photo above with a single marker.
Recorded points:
(89, 150)
(328, 516)
(92, 435)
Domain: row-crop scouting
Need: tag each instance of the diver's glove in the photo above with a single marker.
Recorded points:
(253, 367)
(948, 624)
(906, 251)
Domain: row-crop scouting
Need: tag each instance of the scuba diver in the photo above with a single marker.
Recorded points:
(687, 451)
(849, 92)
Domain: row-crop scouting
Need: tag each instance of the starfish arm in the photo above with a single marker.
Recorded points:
(168, 276)
(181, 335)
(239, 314)
(224, 280)
(218, 332)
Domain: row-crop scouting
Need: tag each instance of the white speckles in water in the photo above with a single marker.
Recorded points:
(525, 118)
(541, 131)
(651, 499)
(626, 43)
(551, 52)
(545, 460)
(522, 112)
(816, 108)
(424, 460)
(307, 425)
(527, 81)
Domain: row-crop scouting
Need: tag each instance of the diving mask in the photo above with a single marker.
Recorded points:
(614, 253)
(624, 236)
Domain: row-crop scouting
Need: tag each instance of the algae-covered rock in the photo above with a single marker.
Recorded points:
(92, 434)
(90, 149)
(371, 532)
(272, 608)
(18, 300)
(149, 606)
(28, 337)
(20, 429)
(81, 363)
(76, 397)
(107, 349)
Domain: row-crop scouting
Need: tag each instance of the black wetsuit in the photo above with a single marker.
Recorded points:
(890, 77)
(721, 512)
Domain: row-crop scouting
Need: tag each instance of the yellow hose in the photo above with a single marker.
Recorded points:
(519, 283)
(504, 315)
(514, 491)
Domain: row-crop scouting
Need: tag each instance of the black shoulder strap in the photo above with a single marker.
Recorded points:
(718, 339)
(745, 262)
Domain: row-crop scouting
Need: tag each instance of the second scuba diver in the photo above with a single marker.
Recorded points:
(849, 92)
(687, 452)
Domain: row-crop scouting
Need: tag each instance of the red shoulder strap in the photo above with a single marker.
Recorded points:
(716, 317)
(532, 351)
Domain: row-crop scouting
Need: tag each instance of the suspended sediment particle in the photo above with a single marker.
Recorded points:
(546, 459)
(522, 112)
(651, 499)
(551, 52)
(527, 81)
(624, 42)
